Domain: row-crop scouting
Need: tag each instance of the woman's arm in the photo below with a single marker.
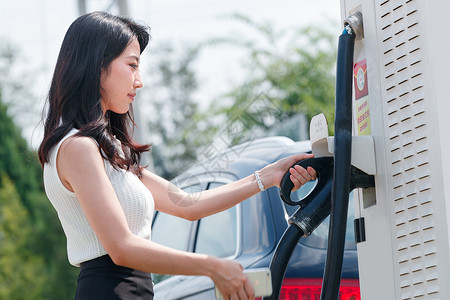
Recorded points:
(172, 200)
(85, 175)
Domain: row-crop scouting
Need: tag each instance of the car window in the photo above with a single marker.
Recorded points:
(172, 232)
(319, 237)
(217, 234)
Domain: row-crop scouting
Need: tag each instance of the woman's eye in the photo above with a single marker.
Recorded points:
(134, 66)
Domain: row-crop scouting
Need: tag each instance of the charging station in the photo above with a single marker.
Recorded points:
(401, 98)
(391, 147)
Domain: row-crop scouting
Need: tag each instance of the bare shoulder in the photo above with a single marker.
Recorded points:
(79, 153)
(79, 147)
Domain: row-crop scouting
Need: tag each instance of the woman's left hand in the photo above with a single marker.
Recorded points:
(299, 175)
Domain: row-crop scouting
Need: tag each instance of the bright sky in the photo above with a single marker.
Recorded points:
(37, 28)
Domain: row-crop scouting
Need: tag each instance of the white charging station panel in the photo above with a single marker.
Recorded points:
(402, 99)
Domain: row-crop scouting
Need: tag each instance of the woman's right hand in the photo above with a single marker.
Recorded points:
(232, 283)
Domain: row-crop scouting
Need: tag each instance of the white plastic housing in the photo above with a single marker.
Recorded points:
(406, 253)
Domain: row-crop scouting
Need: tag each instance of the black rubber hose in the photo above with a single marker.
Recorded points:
(313, 210)
(281, 257)
(342, 167)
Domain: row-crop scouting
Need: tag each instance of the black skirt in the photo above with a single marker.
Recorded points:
(101, 279)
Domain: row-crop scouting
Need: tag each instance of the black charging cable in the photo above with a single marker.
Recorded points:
(342, 167)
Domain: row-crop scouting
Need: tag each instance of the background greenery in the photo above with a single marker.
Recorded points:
(289, 73)
(33, 261)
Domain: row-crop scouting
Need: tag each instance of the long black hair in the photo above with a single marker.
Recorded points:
(91, 43)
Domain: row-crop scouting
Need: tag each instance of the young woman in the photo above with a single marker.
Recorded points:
(105, 200)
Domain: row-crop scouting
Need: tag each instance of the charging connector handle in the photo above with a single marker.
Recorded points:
(324, 169)
(315, 207)
(313, 210)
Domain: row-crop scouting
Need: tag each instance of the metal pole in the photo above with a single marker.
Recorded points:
(123, 7)
(81, 7)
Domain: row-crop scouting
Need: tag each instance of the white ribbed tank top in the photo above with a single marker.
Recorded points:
(82, 242)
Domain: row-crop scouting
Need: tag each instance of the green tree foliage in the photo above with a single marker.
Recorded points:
(289, 78)
(17, 79)
(173, 110)
(20, 268)
(288, 72)
(45, 240)
(16, 160)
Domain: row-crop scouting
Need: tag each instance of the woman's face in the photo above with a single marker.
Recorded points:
(119, 82)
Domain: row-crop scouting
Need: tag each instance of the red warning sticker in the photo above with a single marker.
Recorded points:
(361, 104)
(360, 79)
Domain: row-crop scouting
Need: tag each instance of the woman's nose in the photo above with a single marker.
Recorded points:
(138, 83)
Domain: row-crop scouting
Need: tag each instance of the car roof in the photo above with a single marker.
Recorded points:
(241, 160)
